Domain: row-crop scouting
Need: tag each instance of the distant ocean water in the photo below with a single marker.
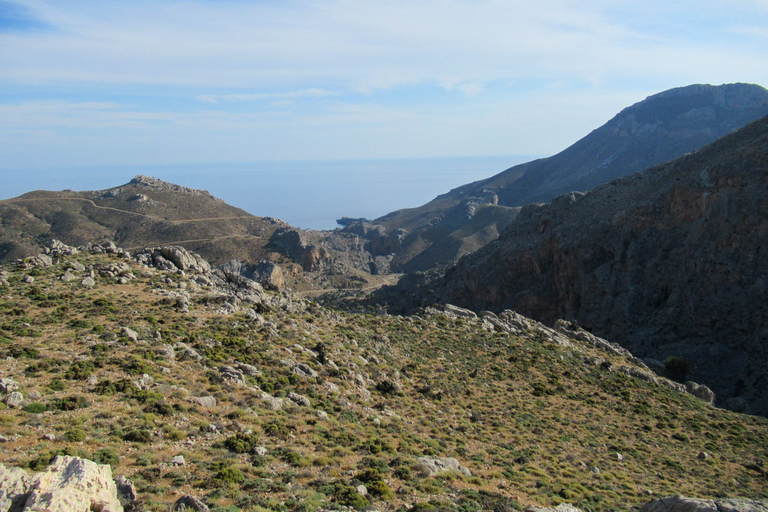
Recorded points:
(306, 194)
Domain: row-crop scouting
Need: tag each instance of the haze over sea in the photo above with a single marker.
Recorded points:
(306, 194)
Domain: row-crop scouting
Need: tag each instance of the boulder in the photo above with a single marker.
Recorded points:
(14, 485)
(683, 504)
(188, 502)
(430, 466)
(700, 391)
(72, 484)
(203, 401)
(563, 507)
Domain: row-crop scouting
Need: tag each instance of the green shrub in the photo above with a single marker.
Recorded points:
(107, 456)
(229, 475)
(79, 370)
(241, 443)
(138, 435)
(70, 403)
(75, 435)
(36, 408)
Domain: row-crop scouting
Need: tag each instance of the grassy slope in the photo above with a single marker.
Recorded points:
(529, 418)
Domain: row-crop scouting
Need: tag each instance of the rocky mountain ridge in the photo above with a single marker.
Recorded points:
(660, 128)
(667, 262)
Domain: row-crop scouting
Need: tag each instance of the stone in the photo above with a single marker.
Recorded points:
(88, 282)
(8, 385)
(563, 507)
(188, 502)
(247, 369)
(260, 451)
(69, 276)
(362, 490)
(72, 484)
(231, 376)
(49, 437)
(684, 504)
(299, 399)
(14, 400)
(178, 460)
(430, 466)
(129, 333)
(14, 485)
(302, 370)
(700, 391)
(208, 402)
(126, 492)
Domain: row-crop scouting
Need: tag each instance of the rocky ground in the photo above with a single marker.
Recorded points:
(194, 381)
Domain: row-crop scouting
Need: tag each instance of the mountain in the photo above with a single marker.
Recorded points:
(660, 128)
(196, 381)
(668, 262)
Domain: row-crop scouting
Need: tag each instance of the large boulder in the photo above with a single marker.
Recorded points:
(430, 466)
(69, 484)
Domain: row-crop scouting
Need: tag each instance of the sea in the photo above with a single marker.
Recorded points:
(306, 194)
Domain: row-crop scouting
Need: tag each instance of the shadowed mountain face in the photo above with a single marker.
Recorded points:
(656, 130)
(672, 261)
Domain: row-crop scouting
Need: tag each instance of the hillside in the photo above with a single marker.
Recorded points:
(666, 262)
(195, 381)
(148, 212)
(658, 129)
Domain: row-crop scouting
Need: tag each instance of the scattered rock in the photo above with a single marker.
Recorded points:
(8, 385)
(126, 492)
(178, 460)
(299, 399)
(88, 282)
(188, 502)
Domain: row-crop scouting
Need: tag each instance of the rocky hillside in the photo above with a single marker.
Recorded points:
(658, 129)
(199, 387)
(149, 212)
(666, 262)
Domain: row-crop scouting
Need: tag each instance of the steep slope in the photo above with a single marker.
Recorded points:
(660, 128)
(668, 262)
(202, 383)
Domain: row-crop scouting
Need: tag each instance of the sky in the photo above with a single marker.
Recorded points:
(167, 82)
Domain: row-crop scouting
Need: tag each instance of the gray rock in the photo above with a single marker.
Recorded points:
(14, 399)
(683, 504)
(126, 492)
(563, 507)
(208, 402)
(88, 282)
(260, 450)
(8, 385)
(247, 369)
(178, 460)
(430, 466)
(302, 370)
(299, 399)
(231, 376)
(700, 391)
(130, 334)
(188, 502)
(69, 276)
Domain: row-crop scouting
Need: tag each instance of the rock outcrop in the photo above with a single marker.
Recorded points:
(69, 484)
(683, 504)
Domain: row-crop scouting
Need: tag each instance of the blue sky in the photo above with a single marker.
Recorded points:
(139, 82)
